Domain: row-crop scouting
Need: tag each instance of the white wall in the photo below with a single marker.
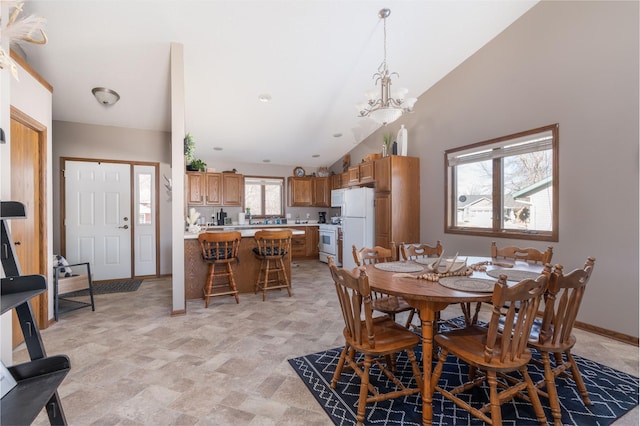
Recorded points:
(35, 100)
(573, 63)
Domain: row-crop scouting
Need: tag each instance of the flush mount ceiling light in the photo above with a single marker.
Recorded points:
(385, 106)
(104, 96)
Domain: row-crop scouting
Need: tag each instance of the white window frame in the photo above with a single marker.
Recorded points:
(263, 180)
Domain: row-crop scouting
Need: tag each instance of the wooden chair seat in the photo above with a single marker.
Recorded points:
(388, 337)
(490, 354)
(220, 251)
(473, 339)
(390, 305)
(377, 339)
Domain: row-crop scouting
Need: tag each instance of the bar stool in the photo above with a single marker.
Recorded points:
(220, 249)
(272, 248)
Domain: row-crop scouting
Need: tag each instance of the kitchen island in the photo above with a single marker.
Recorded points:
(245, 272)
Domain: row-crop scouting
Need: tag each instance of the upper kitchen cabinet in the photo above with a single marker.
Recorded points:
(196, 188)
(340, 180)
(213, 194)
(321, 192)
(214, 189)
(397, 200)
(232, 189)
(362, 174)
(300, 191)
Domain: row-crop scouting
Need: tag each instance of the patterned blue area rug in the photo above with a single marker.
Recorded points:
(612, 393)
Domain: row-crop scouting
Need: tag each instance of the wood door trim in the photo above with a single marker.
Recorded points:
(28, 121)
(20, 61)
(63, 230)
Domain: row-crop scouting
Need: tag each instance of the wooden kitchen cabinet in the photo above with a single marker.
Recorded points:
(300, 191)
(196, 188)
(213, 192)
(305, 246)
(321, 192)
(214, 189)
(298, 246)
(312, 239)
(362, 174)
(340, 180)
(397, 200)
(354, 175)
(367, 172)
(232, 189)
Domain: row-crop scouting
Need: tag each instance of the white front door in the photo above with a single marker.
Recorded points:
(98, 217)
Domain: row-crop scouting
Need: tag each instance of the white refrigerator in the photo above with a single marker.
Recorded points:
(357, 223)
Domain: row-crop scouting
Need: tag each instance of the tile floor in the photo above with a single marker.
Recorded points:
(134, 364)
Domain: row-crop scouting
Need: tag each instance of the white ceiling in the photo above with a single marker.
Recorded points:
(315, 58)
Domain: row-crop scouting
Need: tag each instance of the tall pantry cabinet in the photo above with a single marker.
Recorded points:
(397, 200)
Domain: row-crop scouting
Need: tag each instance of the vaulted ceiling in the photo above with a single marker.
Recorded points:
(314, 58)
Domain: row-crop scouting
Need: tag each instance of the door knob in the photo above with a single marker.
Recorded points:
(124, 227)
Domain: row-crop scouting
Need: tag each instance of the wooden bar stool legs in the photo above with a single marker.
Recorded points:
(272, 276)
(272, 247)
(220, 251)
(211, 288)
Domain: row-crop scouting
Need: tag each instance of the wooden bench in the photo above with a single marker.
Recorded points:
(65, 285)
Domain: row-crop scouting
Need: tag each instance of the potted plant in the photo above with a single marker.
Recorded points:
(386, 150)
(189, 148)
(198, 165)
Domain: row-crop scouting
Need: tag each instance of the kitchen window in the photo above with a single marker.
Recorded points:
(264, 196)
(505, 187)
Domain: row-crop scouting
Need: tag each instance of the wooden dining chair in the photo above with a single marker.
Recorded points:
(390, 305)
(530, 255)
(378, 339)
(415, 251)
(562, 302)
(490, 353)
(220, 251)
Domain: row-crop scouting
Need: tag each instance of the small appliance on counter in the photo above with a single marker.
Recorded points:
(220, 217)
(322, 217)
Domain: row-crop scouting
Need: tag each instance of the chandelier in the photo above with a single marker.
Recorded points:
(385, 106)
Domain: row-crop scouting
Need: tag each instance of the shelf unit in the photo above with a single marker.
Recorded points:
(37, 380)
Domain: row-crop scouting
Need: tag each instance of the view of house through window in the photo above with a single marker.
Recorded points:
(505, 186)
(264, 195)
(144, 206)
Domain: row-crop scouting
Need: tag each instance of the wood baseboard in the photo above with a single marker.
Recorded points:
(179, 312)
(624, 338)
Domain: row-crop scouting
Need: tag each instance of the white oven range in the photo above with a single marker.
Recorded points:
(328, 245)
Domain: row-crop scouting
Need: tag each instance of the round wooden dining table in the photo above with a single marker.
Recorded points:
(430, 297)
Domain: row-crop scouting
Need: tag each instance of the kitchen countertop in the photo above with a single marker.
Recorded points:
(248, 231)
